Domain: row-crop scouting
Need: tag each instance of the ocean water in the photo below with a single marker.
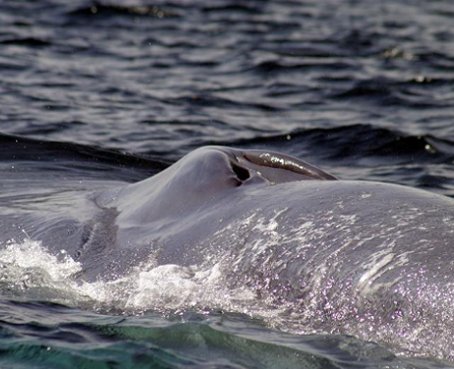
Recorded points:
(114, 91)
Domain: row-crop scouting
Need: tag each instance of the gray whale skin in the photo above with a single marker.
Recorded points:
(357, 257)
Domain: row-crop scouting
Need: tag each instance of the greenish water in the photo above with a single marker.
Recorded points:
(43, 335)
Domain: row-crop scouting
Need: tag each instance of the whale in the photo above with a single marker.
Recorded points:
(371, 259)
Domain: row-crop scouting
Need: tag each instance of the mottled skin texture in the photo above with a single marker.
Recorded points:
(364, 258)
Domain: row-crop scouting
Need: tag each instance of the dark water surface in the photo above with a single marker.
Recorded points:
(363, 89)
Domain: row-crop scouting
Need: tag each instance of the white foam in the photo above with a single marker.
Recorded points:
(22, 259)
(29, 271)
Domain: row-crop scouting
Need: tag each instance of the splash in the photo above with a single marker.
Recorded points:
(29, 272)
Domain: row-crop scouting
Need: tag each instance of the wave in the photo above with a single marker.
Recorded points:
(25, 41)
(353, 142)
(84, 160)
(98, 9)
(51, 334)
(415, 93)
